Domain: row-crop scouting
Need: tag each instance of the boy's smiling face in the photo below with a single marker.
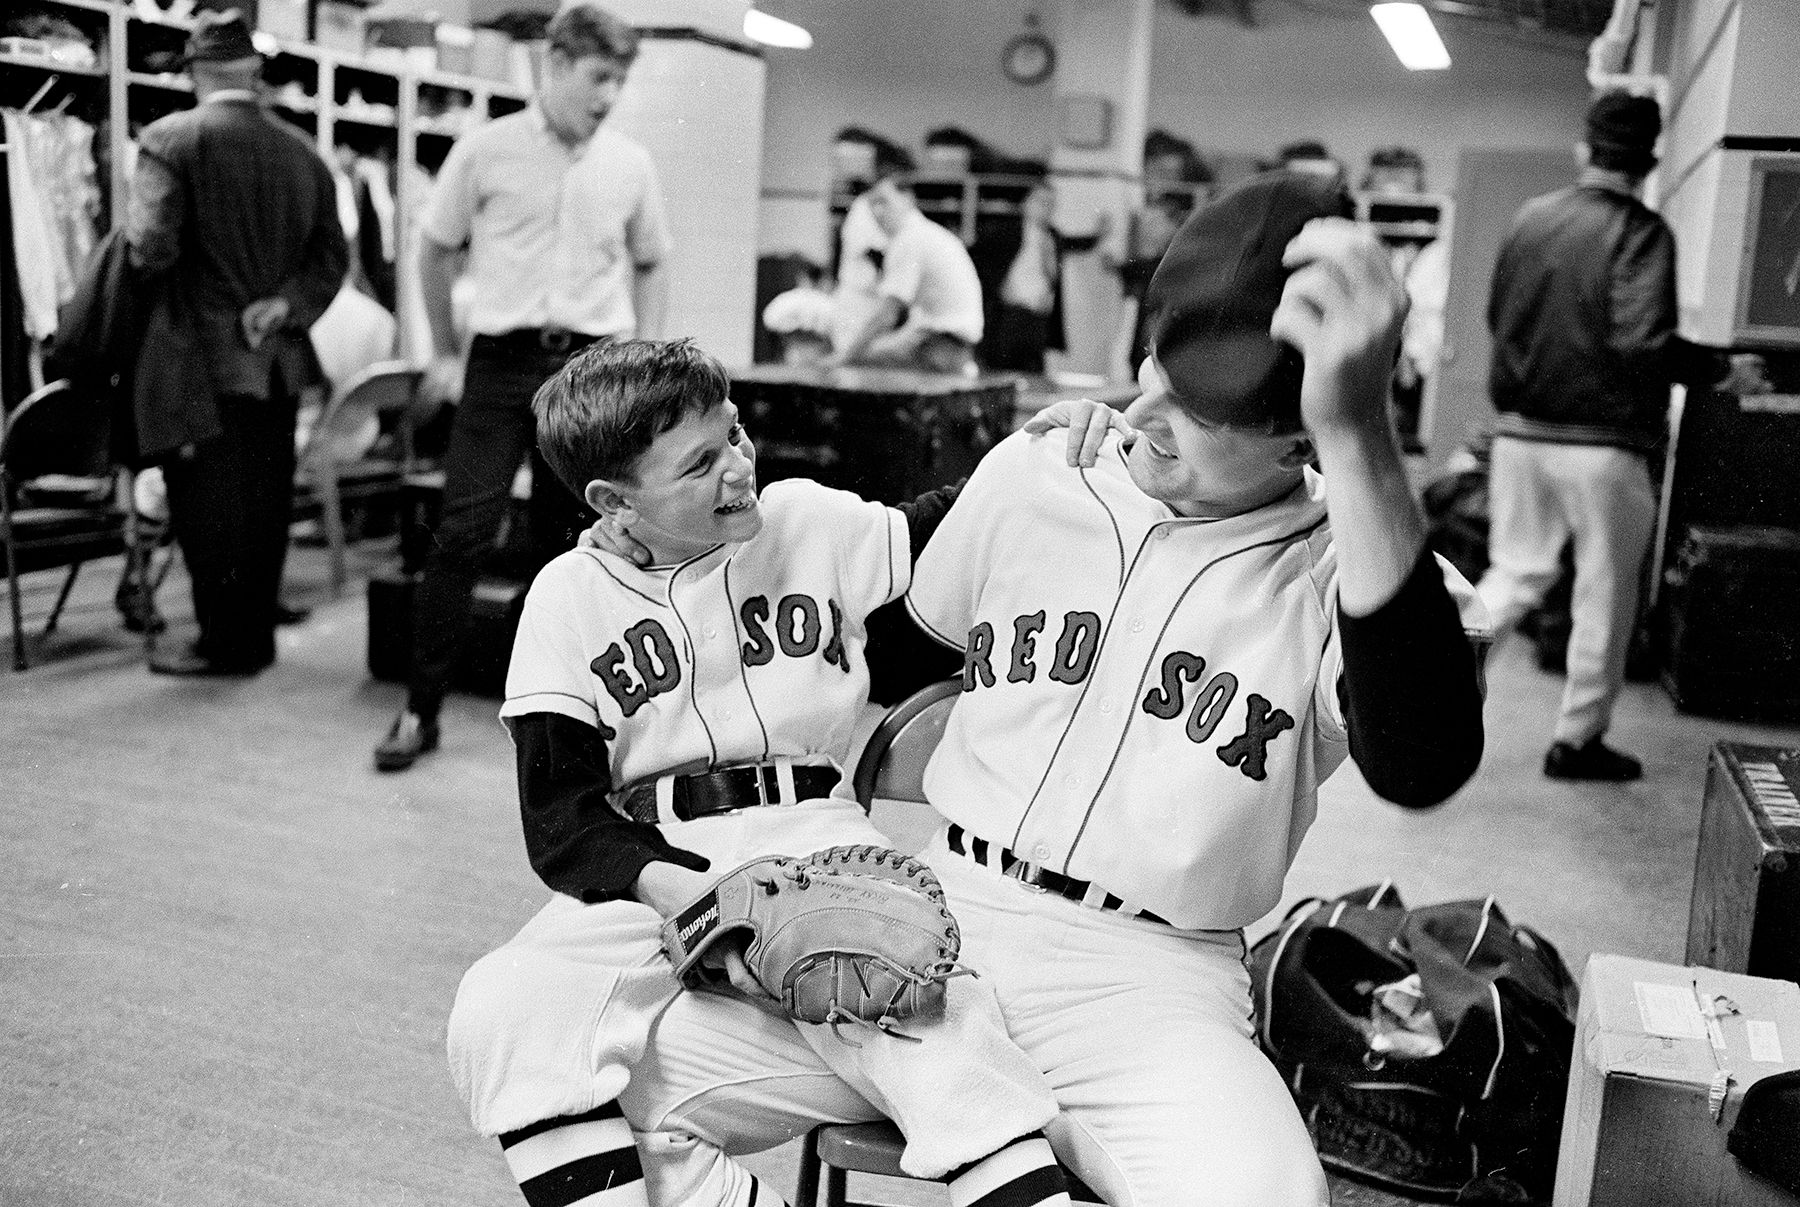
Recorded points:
(692, 489)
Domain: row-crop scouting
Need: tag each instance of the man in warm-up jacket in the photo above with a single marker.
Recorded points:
(1583, 319)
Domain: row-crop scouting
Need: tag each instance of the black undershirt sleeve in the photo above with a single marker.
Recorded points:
(902, 657)
(575, 841)
(1411, 692)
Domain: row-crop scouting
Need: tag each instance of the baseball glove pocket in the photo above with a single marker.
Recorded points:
(832, 945)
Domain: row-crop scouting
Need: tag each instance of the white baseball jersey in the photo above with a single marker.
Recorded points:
(744, 653)
(1149, 701)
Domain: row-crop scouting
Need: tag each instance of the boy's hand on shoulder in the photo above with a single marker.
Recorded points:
(1343, 308)
(1088, 422)
(606, 534)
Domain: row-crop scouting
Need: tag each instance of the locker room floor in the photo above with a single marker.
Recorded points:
(227, 946)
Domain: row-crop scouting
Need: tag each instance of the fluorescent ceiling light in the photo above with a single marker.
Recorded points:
(773, 31)
(1410, 32)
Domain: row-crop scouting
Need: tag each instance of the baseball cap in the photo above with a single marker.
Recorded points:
(219, 37)
(1213, 294)
(1622, 130)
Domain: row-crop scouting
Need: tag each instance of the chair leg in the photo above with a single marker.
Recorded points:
(331, 515)
(62, 597)
(18, 614)
(837, 1183)
(806, 1190)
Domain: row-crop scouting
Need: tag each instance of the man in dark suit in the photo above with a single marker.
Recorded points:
(237, 215)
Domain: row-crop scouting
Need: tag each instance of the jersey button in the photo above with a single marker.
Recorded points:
(1106, 707)
(711, 632)
(1040, 853)
(1137, 626)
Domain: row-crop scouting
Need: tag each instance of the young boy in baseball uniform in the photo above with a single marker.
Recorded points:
(671, 722)
(1164, 654)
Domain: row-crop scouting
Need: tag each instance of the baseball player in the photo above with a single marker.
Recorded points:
(681, 718)
(1163, 656)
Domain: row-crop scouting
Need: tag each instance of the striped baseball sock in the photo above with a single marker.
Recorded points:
(588, 1159)
(1023, 1174)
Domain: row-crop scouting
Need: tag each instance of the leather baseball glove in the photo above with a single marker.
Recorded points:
(847, 935)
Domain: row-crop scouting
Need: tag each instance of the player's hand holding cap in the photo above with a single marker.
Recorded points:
(1270, 294)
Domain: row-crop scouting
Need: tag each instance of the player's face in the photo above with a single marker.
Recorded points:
(1202, 469)
(577, 94)
(888, 205)
(695, 487)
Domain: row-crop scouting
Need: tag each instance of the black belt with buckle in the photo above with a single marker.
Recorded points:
(1033, 876)
(707, 794)
(537, 341)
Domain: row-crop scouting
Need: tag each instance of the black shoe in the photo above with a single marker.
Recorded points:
(1594, 761)
(410, 737)
(186, 661)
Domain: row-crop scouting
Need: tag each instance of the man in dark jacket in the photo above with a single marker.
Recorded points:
(238, 215)
(1583, 318)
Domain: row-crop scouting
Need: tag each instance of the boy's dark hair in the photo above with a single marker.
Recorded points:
(583, 30)
(611, 401)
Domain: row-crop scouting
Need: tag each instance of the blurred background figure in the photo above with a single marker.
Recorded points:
(1310, 155)
(1423, 265)
(802, 318)
(863, 156)
(239, 216)
(1026, 317)
(1176, 177)
(928, 312)
(1583, 315)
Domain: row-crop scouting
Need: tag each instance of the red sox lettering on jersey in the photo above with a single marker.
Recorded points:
(1073, 657)
(796, 633)
(677, 666)
(1149, 701)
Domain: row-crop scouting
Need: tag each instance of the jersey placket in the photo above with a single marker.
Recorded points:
(720, 695)
(1053, 825)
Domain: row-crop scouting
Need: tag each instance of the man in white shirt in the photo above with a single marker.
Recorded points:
(929, 314)
(559, 225)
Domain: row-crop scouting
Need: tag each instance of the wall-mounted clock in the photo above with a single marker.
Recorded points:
(1029, 58)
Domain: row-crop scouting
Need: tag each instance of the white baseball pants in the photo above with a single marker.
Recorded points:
(582, 1007)
(1540, 495)
(1144, 1033)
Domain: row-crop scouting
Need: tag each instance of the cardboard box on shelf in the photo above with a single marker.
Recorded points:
(490, 55)
(283, 18)
(455, 48)
(338, 26)
(1663, 1055)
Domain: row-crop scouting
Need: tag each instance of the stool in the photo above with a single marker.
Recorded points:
(840, 1149)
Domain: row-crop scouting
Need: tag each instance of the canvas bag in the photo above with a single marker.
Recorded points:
(1427, 1049)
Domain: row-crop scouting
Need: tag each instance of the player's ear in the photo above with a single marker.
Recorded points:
(606, 497)
(1300, 453)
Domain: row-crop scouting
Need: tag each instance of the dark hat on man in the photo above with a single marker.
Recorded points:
(1622, 131)
(220, 37)
(1216, 289)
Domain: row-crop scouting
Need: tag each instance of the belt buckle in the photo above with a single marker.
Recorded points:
(768, 788)
(1027, 874)
(555, 339)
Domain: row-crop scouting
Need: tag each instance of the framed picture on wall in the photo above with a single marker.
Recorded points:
(1768, 310)
(1086, 122)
